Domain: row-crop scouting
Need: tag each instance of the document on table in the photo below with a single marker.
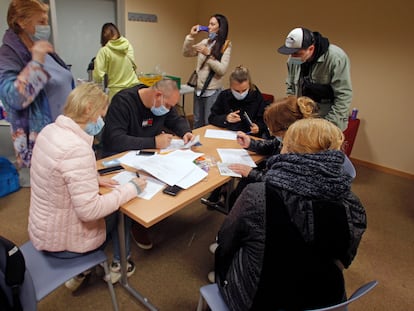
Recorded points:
(240, 156)
(179, 144)
(133, 159)
(221, 134)
(175, 168)
(225, 170)
(153, 185)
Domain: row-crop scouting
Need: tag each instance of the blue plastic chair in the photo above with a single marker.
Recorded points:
(210, 294)
(46, 273)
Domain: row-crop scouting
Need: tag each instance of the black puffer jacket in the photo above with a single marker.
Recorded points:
(284, 240)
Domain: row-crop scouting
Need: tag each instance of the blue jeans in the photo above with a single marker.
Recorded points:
(202, 108)
(111, 222)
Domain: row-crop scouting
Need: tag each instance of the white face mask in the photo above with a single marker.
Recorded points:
(161, 110)
(240, 96)
(295, 60)
(42, 32)
(93, 128)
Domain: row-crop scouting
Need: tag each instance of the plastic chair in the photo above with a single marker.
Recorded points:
(46, 273)
(211, 295)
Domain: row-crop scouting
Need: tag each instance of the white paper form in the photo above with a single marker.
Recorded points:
(221, 134)
(133, 159)
(153, 185)
(196, 175)
(240, 156)
(226, 171)
(168, 168)
(179, 144)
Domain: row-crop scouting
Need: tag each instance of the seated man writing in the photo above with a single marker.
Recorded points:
(137, 119)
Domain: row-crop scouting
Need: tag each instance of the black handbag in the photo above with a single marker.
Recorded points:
(192, 81)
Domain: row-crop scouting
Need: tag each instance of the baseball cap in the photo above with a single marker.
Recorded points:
(297, 39)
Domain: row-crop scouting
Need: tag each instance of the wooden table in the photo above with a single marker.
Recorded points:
(150, 212)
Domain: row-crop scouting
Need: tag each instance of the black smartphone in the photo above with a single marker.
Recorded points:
(145, 153)
(172, 190)
(108, 170)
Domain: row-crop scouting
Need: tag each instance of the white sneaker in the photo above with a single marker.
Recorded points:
(116, 270)
(213, 247)
(211, 277)
(74, 283)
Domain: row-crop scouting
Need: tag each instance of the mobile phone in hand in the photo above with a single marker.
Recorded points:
(172, 190)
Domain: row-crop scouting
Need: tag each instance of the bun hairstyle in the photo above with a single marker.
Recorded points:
(279, 115)
(241, 74)
(312, 135)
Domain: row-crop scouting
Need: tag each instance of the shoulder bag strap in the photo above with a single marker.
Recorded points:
(211, 73)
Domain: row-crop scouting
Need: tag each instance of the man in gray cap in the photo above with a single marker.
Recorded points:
(321, 71)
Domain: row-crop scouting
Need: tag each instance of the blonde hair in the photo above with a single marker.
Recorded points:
(23, 10)
(85, 101)
(312, 135)
(279, 115)
(241, 74)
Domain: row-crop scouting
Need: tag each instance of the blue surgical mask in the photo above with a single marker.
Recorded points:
(93, 128)
(42, 32)
(295, 60)
(239, 96)
(212, 35)
(159, 111)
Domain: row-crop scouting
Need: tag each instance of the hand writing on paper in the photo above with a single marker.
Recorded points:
(188, 137)
(243, 139)
(163, 140)
(141, 182)
(241, 169)
(107, 182)
(233, 117)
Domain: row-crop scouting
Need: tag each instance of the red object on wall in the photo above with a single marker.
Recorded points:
(350, 135)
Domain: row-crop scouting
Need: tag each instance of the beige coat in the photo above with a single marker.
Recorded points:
(66, 210)
(218, 66)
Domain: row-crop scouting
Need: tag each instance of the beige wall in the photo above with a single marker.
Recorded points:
(377, 37)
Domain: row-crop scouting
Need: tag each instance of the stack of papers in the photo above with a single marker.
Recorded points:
(175, 168)
(179, 144)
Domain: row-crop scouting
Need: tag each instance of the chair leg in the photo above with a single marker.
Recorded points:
(107, 278)
(200, 306)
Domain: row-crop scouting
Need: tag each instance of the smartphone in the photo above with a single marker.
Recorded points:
(203, 28)
(172, 190)
(108, 170)
(145, 153)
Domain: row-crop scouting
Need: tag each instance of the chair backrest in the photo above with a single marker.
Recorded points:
(350, 135)
(364, 289)
(211, 295)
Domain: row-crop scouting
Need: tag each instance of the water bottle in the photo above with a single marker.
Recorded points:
(354, 114)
